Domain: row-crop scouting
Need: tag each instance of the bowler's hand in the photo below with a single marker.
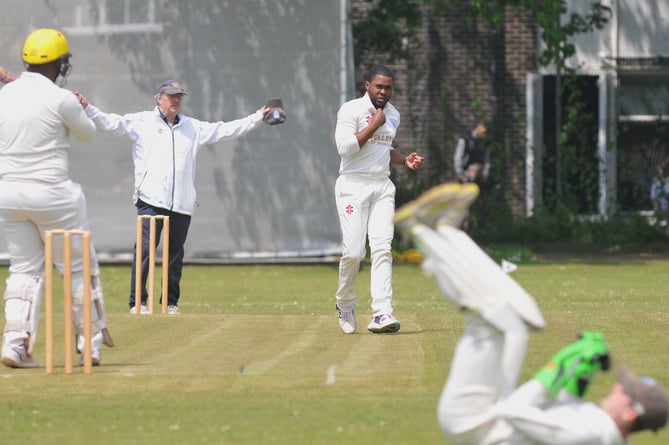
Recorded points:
(413, 161)
(378, 119)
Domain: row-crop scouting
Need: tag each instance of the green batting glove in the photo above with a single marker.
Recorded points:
(575, 364)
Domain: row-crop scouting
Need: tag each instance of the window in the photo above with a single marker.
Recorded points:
(644, 97)
(115, 17)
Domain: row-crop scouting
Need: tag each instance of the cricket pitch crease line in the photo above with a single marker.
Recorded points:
(330, 378)
(303, 342)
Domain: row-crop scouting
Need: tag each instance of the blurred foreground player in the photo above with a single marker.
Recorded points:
(480, 403)
(36, 194)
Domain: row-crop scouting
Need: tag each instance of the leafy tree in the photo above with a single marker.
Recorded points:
(385, 28)
(548, 14)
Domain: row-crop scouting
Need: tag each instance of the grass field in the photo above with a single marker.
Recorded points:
(257, 357)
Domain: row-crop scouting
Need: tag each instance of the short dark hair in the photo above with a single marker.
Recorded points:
(379, 69)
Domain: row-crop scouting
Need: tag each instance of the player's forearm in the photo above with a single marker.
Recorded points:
(397, 158)
(525, 410)
(457, 157)
(220, 131)
(365, 135)
(80, 126)
(107, 122)
(349, 138)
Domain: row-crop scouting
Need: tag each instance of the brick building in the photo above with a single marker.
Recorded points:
(465, 71)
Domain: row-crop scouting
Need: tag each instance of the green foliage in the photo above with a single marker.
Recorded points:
(561, 228)
(384, 30)
(576, 152)
(547, 13)
(555, 34)
(516, 254)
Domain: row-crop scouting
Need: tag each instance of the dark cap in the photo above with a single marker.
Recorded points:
(276, 114)
(171, 87)
(648, 398)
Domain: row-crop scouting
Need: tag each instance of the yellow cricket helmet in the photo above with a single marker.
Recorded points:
(44, 45)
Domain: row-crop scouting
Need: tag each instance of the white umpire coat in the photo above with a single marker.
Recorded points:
(164, 156)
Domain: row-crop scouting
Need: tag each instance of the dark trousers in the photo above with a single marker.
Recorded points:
(179, 225)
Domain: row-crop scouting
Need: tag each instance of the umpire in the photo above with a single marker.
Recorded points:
(165, 146)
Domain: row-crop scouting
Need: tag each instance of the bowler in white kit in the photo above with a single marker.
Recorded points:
(365, 197)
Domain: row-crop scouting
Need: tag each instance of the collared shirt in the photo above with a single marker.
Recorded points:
(164, 118)
(373, 159)
(164, 156)
(36, 119)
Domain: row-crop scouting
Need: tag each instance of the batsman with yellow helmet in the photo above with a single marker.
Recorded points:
(37, 116)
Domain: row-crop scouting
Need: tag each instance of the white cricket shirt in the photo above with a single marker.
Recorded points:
(373, 159)
(36, 119)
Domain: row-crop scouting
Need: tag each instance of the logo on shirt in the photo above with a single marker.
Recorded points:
(368, 118)
(160, 131)
(393, 123)
(349, 209)
(385, 139)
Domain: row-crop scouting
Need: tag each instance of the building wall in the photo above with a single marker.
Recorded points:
(636, 29)
(269, 193)
(632, 50)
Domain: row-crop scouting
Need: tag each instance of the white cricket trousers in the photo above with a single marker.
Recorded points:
(467, 409)
(27, 210)
(366, 208)
(489, 356)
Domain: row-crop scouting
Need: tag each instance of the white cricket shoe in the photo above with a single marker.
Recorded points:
(14, 359)
(173, 310)
(347, 321)
(96, 354)
(444, 204)
(143, 310)
(454, 214)
(384, 324)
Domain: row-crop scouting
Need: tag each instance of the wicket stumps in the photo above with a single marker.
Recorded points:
(67, 297)
(152, 262)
